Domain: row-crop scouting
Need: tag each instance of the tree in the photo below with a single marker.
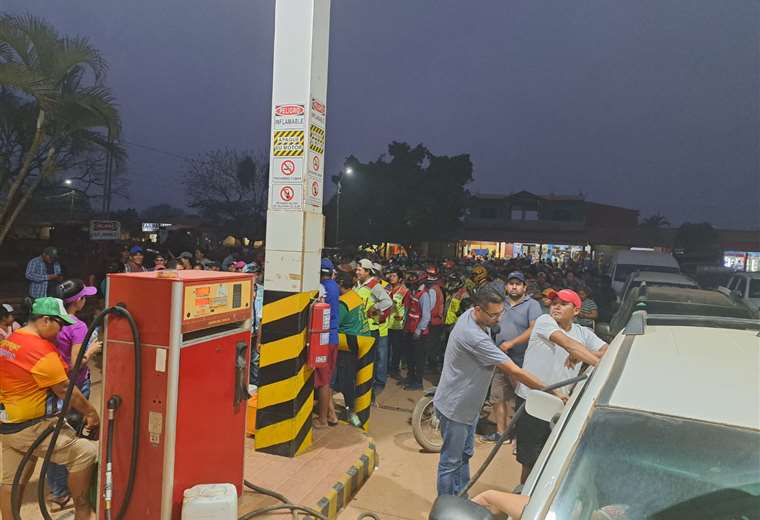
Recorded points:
(407, 196)
(55, 108)
(655, 221)
(697, 244)
(229, 188)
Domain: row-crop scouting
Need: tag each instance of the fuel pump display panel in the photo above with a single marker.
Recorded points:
(212, 304)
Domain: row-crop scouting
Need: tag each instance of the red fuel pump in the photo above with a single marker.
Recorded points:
(319, 334)
(195, 334)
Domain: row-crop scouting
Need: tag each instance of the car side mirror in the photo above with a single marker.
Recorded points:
(449, 507)
(542, 405)
(603, 330)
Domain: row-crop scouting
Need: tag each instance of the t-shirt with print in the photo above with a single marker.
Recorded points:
(546, 360)
(468, 364)
(29, 366)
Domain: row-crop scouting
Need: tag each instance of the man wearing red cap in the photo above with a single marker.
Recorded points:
(556, 346)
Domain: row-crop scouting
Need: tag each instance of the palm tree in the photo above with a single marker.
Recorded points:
(62, 77)
(655, 221)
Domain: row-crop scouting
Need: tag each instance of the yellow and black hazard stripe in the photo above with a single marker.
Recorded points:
(364, 348)
(286, 382)
(350, 482)
(316, 139)
(287, 143)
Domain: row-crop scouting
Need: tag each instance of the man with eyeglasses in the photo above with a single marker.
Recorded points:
(33, 379)
(468, 365)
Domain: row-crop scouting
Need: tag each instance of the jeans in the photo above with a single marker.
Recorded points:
(57, 474)
(396, 345)
(457, 449)
(254, 371)
(381, 360)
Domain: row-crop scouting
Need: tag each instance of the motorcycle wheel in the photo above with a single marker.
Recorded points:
(425, 425)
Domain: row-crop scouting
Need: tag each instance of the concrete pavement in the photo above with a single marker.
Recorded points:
(403, 486)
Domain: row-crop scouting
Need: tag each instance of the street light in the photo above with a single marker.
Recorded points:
(347, 171)
(67, 182)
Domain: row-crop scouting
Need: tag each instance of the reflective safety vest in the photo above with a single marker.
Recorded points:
(396, 319)
(453, 304)
(414, 313)
(381, 324)
(436, 314)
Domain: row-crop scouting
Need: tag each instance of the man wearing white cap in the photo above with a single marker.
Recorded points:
(377, 306)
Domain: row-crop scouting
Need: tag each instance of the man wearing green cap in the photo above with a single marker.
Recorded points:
(33, 379)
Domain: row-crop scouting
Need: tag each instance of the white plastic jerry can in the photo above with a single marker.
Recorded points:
(210, 502)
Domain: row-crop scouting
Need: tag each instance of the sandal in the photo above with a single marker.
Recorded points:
(61, 502)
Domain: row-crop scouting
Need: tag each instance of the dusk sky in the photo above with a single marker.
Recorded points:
(652, 105)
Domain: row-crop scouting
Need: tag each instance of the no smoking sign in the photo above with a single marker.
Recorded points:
(287, 169)
(286, 193)
(286, 196)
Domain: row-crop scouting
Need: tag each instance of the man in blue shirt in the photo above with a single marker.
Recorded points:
(41, 270)
(520, 314)
(323, 375)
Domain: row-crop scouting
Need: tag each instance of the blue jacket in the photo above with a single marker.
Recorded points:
(332, 297)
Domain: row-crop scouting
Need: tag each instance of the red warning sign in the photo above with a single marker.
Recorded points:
(315, 163)
(286, 193)
(315, 188)
(288, 168)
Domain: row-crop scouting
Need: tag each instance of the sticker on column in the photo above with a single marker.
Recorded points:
(286, 197)
(287, 169)
(314, 190)
(289, 117)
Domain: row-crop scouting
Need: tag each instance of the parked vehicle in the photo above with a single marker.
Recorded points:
(680, 301)
(626, 262)
(746, 286)
(666, 427)
(654, 278)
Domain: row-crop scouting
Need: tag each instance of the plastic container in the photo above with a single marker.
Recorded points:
(210, 502)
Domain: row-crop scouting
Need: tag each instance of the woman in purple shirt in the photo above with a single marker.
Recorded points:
(68, 343)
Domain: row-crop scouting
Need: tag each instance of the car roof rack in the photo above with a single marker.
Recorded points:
(637, 324)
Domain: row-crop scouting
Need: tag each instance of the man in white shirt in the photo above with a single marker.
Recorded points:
(555, 348)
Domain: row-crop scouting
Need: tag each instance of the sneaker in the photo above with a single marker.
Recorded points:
(491, 437)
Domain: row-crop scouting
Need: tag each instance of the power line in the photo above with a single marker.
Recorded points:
(157, 150)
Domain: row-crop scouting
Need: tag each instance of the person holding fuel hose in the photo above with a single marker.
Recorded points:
(32, 380)
(468, 365)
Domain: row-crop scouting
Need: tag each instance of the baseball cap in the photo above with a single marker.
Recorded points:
(253, 267)
(50, 251)
(49, 306)
(365, 264)
(517, 275)
(186, 254)
(8, 307)
(377, 268)
(72, 290)
(566, 295)
(326, 266)
(136, 250)
(239, 264)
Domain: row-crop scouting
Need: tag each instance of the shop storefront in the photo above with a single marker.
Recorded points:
(505, 250)
(742, 260)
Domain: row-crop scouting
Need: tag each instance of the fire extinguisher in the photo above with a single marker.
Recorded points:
(318, 339)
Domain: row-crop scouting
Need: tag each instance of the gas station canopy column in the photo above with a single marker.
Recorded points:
(295, 224)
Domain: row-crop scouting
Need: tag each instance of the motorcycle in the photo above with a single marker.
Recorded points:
(426, 426)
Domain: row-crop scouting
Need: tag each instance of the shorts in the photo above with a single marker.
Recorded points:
(502, 389)
(75, 453)
(323, 375)
(531, 435)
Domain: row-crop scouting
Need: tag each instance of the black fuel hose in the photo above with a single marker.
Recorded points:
(510, 430)
(119, 310)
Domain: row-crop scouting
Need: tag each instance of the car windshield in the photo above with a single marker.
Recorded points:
(623, 271)
(754, 288)
(646, 466)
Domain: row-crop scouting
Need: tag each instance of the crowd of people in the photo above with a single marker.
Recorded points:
(467, 324)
